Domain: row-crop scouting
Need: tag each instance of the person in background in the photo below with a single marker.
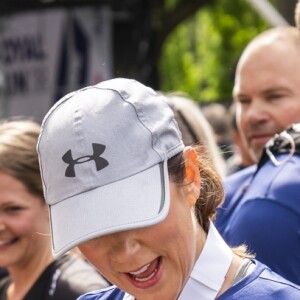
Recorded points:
(241, 157)
(195, 128)
(262, 207)
(216, 115)
(25, 247)
(138, 203)
(3, 273)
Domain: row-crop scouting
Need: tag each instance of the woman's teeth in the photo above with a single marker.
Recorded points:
(146, 272)
(141, 270)
(146, 278)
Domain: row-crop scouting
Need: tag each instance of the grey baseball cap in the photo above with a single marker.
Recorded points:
(103, 153)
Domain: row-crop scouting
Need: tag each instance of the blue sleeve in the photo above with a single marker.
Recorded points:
(234, 186)
(110, 293)
(267, 219)
(262, 284)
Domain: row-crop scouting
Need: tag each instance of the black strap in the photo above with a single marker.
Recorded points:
(40, 289)
(287, 141)
(4, 284)
(37, 291)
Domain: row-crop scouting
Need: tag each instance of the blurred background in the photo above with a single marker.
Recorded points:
(51, 47)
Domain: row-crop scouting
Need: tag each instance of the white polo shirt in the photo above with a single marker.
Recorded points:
(208, 274)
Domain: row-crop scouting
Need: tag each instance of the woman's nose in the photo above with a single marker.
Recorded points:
(125, 247)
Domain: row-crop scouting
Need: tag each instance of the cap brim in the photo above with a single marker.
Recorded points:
(138, 201)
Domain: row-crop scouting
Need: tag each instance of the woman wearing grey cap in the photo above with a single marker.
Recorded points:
(121, 185)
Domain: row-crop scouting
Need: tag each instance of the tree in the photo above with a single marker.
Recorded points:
(199, 57)
(144, 37)
(139, 30)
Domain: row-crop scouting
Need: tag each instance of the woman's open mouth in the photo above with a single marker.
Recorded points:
(6, 243)
(147, 275)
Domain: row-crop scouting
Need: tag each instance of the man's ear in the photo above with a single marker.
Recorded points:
(192, 179)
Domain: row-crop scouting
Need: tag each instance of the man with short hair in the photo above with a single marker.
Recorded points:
(262, 206)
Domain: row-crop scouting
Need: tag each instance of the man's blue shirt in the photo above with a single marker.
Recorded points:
(264, 214)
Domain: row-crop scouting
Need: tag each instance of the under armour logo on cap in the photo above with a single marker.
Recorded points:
(100, 162)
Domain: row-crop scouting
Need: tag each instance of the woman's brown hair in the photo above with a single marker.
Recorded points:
(211, 189)
(18, 156)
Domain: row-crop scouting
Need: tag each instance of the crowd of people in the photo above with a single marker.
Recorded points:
(124, 192)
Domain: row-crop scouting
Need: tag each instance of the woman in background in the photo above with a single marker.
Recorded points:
(25, 243)
(195, 129)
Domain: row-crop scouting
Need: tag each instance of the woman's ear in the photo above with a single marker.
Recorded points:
(192, 179)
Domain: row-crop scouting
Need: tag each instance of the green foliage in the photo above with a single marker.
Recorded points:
(199, 57)
(170, 4)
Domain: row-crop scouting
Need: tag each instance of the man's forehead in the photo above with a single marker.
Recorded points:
(267, 91)
(272, 45)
